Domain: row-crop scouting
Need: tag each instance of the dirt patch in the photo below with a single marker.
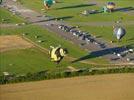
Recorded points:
(11, 42)
(99, 87)
(9, 25)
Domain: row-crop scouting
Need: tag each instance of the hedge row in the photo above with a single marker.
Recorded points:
(46, 75)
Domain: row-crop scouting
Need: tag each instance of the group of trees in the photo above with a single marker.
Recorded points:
(46, 75)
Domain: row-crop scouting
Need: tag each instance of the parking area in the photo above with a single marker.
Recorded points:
(96, 46)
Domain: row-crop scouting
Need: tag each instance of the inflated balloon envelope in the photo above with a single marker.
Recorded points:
(119, 32)
(111, 5)
(49, 2)
(57, 53)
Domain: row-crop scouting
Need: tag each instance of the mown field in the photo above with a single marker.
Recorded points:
(102, 87)
(33, 58)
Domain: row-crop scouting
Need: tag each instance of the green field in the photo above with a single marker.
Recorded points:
(49, 38)
(71, 11)
(106, 33)
(24, 61)
(35, 59)
(8, 17)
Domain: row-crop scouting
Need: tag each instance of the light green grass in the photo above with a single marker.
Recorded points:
(30, 60)
(9, 17)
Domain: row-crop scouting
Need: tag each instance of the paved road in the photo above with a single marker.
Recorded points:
(45, 22)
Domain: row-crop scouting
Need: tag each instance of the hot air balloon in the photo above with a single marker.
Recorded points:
(57, 53)
(111, 6)
(49, 3)
(119, 32)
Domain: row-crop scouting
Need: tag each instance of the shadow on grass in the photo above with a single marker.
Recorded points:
(51, 19)
(130, 39)
(125, 9)
(76, 6)
(100, 53)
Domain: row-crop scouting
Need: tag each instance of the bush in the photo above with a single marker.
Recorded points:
(42, 75)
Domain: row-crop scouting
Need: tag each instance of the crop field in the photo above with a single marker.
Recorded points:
(102, 87)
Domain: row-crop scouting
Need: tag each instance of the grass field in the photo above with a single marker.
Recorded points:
(102, 87)
(9, 17)
(34, 58)
(27, 59)
(49, 38)
(71, 10)
(21, 59)
(24, 61)
(106, 32)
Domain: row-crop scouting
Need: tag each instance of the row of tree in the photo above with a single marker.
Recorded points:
(46, 75)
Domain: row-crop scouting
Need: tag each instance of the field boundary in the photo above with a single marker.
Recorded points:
(12, 42)
(47, 75)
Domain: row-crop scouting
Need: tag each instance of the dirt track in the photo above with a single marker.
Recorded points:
(102, 87)
(11, 42)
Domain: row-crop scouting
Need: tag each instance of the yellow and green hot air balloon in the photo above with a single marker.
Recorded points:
(57, 53)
